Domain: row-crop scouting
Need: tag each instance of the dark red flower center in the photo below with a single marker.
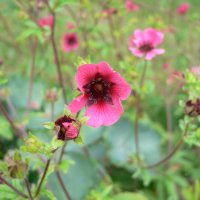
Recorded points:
(146, 47)
(59, 122)
(72, 41)
(98, 90)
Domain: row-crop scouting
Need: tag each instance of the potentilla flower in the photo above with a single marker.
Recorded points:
(196, 70)
(131, 6)
(102, 91)
(68, 128)
(70, 42)
(183, 9)
(144, 43)
(46, 21)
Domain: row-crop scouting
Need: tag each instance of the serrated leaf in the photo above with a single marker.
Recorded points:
(79, 140)
(55, 143)
(84, 119)
(49, 125)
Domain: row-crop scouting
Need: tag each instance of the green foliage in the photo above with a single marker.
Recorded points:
(34, 145)
(5, 131)
(129, 196)
(3, 79)
(8, 194)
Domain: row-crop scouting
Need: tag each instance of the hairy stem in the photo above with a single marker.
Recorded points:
(28, 189)
(11, 122)
(55, 51)
(43, 177)
(137, 114)
(172, 153)
(58, 175)
(12, 187)
(32, 74)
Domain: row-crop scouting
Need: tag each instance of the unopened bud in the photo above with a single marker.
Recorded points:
(68, 128)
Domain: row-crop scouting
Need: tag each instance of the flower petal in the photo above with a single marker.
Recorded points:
(153, 36)
(103, 113)
(85, 74)
(136, 52)
(153, 53)
(77, 104)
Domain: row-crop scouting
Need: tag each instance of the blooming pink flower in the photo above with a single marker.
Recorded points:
(183, 9)
(46, 21)
(196, 70)
(71, 25)
(144, 43)
(70, 42)
(68, 128)
(102, 91)
(130, 6)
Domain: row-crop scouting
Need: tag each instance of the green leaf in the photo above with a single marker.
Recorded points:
(65, 165)
(3, 166)
(5, 131)
(83, 173)
(79, 140)
(84, 119)
(55, 143)
(49, 125)
(129, 196)
(8, 194)
(3, 79)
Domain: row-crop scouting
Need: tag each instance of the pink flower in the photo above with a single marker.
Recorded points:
(68, 128)
(130, 6)
(196, 70)
(71, 25)
(102, 91)
(183, 9)
(176, 76)
(145, 43)
(47, 21)
(70, 42)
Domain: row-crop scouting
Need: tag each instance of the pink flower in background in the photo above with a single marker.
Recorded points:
(70, 42)
(166, 65)
(102, 91)
(130, 6)
(183, 9)
(71, 25)
(145, 43)
(196, 70)
(46, 21)
(176, 76)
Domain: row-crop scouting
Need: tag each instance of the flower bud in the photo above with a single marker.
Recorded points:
(67, 128)
(192, 108)
(52, 96)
